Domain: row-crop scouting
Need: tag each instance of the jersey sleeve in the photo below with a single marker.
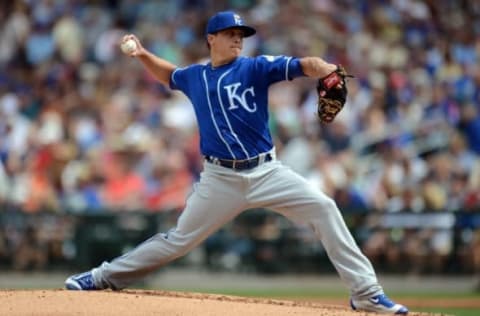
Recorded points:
(279, 68)
(178, 78)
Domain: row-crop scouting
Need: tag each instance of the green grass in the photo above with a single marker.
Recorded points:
(293, 292)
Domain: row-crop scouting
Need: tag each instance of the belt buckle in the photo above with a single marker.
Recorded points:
(241, 164)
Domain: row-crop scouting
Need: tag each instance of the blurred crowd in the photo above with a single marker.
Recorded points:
(84, 128)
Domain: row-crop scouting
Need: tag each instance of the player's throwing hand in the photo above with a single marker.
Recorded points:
(131, 46)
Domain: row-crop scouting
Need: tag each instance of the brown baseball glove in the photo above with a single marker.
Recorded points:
(332, 94)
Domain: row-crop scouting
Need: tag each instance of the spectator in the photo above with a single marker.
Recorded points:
(123, 188)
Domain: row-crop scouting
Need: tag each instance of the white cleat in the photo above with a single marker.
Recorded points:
(378, 304)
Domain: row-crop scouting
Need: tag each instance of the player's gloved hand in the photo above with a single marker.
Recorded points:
(332, 94)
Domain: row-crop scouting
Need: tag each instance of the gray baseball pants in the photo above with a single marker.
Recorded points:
(220, 195)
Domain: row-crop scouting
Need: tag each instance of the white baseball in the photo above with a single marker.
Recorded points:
(128, 46)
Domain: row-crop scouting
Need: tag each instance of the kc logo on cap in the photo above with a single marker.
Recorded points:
(238, 19)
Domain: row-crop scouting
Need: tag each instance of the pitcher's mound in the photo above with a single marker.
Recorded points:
(140, 302)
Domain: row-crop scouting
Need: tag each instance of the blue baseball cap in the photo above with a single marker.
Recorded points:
(227, 20)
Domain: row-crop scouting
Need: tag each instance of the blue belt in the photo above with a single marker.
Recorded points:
(240, 164)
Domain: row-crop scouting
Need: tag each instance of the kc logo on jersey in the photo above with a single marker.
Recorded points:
(235, 98)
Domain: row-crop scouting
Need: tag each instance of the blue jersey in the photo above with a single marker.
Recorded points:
(231, 102)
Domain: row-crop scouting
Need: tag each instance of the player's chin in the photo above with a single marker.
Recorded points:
(236, 51)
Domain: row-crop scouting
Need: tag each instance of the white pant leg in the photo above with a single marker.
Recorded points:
(217, 198)
(276, 187)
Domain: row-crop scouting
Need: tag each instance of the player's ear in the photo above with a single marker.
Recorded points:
(210, 38)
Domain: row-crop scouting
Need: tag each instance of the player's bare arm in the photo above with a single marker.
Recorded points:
(316, 67)
(158, 67)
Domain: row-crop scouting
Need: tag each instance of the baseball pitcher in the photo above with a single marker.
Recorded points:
(229, 95)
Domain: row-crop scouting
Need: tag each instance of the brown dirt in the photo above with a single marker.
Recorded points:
(144, 302)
